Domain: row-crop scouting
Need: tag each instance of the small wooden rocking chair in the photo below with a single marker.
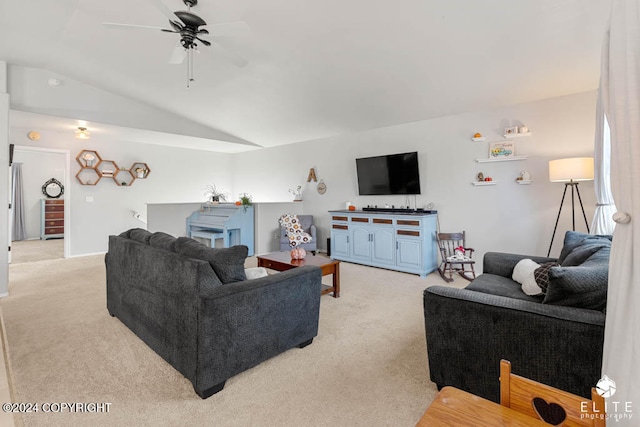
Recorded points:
(462, 263)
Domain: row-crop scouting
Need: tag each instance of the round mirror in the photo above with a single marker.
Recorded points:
(53, 188)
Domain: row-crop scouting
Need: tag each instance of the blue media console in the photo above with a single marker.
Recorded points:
(398, 241)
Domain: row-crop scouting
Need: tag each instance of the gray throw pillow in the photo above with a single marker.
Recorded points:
(583, 287)
(573, 239)
(163, 241)
(582, 252)
(228, 263)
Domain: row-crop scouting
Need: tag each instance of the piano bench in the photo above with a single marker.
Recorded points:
(208, 235)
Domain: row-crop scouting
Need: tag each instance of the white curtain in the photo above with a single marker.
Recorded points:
(605, 207)
(620, 89)
(17, 203)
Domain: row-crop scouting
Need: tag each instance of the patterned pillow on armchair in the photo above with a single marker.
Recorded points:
(294, 231)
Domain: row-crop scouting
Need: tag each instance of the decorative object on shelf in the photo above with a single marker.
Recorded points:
(523, 129)
(524, 178)
(82, 133)
(53, 189)
(214, 195)
(480, 177)
(322, 187)
(488, 179)
(478, 137)
(501, 149)
(298, 253)
(245, 201)
(352, 208)
(33, 135)
(297, 193)
(89, 159)
(312, 175)
(511, 130)
(570, 172)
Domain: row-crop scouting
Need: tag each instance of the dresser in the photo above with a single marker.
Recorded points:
(51, 219)
(397, 241)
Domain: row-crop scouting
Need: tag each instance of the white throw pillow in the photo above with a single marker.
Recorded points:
(255, 272)
(524, 273)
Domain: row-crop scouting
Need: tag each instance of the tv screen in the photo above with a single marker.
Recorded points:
(392, 174)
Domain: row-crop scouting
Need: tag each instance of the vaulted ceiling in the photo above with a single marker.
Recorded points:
(317, 68)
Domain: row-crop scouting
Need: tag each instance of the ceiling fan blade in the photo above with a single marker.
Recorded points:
(163, 9)
(204, 42)
(230, 29)
(218, 50)
(176, 25)
(130, 26)
(178, 54)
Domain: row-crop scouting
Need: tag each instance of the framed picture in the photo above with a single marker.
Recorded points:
(511, 130)
(501, 150)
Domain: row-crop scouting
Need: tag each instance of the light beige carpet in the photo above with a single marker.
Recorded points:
(36, 250)
(367, 366)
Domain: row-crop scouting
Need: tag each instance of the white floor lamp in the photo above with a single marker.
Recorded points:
(570, 171)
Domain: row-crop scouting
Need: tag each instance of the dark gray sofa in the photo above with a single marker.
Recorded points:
(194, 307)
(556, 339)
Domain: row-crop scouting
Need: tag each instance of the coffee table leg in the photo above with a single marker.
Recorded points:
(336, 282)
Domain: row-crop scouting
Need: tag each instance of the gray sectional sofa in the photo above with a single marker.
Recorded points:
(555, 338)
(194, 307)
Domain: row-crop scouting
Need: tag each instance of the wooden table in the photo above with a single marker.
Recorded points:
(281, 261)
(456, 408)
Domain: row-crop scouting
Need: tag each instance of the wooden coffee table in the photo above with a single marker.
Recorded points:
(281, 261)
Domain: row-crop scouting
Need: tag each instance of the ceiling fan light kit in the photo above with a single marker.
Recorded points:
(188, 24)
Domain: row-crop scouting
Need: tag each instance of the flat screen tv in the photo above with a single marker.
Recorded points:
(391, 174)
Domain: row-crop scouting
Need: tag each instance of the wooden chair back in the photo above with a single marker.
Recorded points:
(448, 242)
(554, 406)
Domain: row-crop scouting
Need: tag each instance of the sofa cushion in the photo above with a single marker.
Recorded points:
(163, 241)
(140, 235)
(228, 263)
(499, 285)
(583, 286)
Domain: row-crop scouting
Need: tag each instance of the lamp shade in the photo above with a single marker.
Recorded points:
(573, 169)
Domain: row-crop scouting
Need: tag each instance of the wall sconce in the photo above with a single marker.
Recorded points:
(82, 133)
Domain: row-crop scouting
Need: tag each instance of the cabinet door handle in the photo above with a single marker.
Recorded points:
(397, 247)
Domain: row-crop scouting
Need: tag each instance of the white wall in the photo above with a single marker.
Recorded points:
(37, 168)
(177, 175)
(505, 217)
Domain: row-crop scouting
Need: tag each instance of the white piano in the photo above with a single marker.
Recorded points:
(233, 224)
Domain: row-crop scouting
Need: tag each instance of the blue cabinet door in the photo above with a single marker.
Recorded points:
(361, 243)
(340, 244)
(409, 253)
(383, 245)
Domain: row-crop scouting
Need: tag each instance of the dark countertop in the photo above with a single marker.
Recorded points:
(384, 211)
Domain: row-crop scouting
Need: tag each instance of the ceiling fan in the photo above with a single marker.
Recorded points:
(189, 26)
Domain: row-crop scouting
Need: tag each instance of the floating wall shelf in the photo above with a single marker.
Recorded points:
(93, 168)
(502, 159)
(516, 135)
(483, 183)
(523, 182)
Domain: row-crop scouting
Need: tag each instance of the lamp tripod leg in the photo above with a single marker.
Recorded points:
(582, 207)
(564, 193)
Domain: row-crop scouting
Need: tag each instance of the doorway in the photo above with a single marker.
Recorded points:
(38, 166)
